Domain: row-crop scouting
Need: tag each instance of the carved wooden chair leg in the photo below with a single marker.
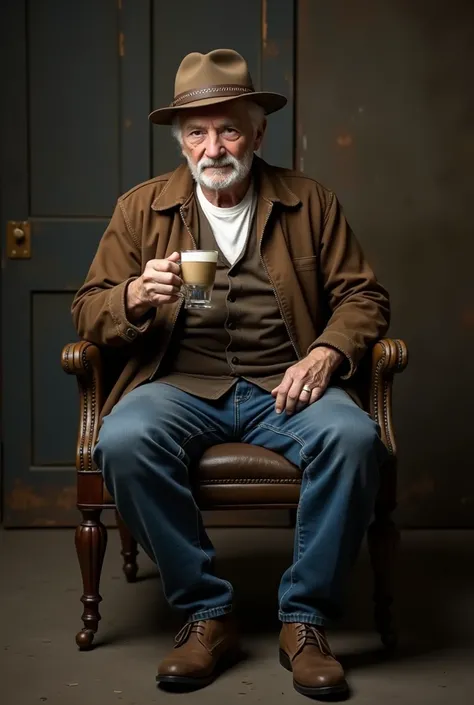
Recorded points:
(129, 550)
(91, 542)
(383, 540)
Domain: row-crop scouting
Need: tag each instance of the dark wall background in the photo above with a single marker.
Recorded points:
(385, 103)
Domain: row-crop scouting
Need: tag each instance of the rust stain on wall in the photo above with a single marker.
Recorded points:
(67, 498)
(44, 522)
(271, 49)
(23, 497)
(264, 25)
(423, 487)
(467, 318)
(345, 140)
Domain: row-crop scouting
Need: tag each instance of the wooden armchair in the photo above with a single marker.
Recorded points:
(268, 480)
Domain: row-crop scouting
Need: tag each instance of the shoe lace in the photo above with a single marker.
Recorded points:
(185, 632)
(307, 634)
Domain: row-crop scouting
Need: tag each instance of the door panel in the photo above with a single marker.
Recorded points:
(73, 93)
(54, 404)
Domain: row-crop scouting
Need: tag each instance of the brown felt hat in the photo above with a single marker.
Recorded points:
(217, 77)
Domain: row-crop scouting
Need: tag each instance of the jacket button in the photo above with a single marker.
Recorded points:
(231, 298)
(231, 325)
(235, 360)
(130, 333)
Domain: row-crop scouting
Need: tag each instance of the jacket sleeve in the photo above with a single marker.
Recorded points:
(98, 309)
(359, 305)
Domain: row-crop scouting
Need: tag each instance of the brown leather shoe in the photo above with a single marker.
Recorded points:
(304, 649)
(201, 650)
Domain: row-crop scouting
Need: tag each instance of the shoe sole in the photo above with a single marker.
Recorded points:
(184, 683)
(324, 692)
(188, 683)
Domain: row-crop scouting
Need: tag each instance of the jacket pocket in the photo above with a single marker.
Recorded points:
(302, 264)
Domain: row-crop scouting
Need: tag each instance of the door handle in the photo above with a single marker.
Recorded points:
(18, 239)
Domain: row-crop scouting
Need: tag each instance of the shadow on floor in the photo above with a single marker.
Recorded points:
(433, 594)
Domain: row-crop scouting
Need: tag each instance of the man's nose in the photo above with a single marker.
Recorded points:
(214, 148)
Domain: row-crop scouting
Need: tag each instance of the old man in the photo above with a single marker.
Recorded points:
(295, 307)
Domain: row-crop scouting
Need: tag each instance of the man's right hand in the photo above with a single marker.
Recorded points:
(159, 284)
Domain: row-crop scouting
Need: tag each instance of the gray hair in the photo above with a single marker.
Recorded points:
(255, 111)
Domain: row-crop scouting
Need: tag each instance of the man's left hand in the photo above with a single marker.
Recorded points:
(313, 372)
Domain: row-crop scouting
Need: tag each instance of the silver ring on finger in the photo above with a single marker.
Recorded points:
(307, 389)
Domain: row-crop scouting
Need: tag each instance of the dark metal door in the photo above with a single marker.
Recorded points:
(70, 148)
(79, 81)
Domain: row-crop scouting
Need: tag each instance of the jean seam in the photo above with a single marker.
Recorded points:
(196, 509)
(237, 418)
(192, 436)
(237, 401)
(288, 434)
(226, 582)
(236, 411)
(300, 548)
(240, 400)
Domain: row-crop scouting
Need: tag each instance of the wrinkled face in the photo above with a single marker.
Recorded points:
(218, 143)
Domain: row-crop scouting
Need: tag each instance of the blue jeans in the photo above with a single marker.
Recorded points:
(156, 431)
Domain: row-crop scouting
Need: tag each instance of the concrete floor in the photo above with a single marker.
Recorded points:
(40, 610)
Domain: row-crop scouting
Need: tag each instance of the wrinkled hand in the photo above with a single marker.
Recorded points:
(314, 371)
(159, 284)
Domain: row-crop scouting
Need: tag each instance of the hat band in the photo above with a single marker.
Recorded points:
(219, 91)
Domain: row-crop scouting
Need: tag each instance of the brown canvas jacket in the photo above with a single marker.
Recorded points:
(326, 291)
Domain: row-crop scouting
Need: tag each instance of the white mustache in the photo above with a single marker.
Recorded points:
(206, 162)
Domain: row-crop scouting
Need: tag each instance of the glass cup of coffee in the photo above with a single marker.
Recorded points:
(198, 271)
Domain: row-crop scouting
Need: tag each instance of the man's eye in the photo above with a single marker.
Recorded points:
(230, 131)
(195, 133)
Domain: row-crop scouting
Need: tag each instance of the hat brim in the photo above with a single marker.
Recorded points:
(270, 102)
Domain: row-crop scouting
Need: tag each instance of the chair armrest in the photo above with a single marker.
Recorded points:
(84, 360)
(389, 356)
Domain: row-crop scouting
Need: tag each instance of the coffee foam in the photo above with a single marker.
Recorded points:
(199, 256)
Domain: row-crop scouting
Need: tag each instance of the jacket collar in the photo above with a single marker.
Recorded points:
(270, 186)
